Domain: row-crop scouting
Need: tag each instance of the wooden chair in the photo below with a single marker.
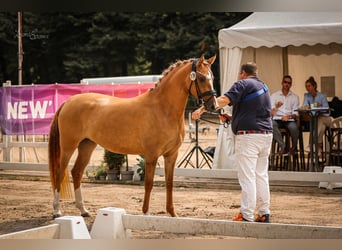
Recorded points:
(288, 162)
(278, 162)
(324, 157)
(335, 142)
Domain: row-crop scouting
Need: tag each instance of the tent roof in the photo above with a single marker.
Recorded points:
(282, 29)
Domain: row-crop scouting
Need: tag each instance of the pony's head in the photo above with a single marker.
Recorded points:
(202, 79)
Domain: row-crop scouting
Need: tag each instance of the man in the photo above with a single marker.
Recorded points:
(284, 103)
(252, 125)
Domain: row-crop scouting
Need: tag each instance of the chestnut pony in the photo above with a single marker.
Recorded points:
(151, 124)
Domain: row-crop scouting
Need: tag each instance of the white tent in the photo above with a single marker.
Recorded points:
(297, 43)
(301, 44)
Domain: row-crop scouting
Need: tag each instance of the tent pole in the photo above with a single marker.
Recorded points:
(285, 61)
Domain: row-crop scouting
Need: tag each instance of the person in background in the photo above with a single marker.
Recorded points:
(252, 124)
(284, 106)
(317, 99)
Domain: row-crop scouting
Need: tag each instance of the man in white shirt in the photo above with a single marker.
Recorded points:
(284, 103)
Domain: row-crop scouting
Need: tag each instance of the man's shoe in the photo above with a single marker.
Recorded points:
(264, 219)
(239, 217)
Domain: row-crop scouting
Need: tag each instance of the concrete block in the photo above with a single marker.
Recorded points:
(108, 224)
(72, 227)
(331, 185)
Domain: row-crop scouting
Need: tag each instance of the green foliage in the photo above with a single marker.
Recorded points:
(68, 46)
(141, 164)
(100, 171)
(114, 160)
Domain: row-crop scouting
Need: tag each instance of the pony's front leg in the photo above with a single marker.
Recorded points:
(148, 183)
(79, 202)
(85, 149)
(170, 162)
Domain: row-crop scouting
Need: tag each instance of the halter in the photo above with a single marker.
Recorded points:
(193, 78)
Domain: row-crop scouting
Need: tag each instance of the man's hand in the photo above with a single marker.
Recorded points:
(224, 117)
(278, 104)
(197, 113)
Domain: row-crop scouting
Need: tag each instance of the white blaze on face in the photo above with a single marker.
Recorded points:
(209, 77)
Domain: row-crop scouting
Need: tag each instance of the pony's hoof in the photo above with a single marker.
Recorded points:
(85, 214)
(173, 214)
(56, 216)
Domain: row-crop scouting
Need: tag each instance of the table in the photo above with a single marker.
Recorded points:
(314, 113)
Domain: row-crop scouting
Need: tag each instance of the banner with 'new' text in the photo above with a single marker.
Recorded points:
(29, 109)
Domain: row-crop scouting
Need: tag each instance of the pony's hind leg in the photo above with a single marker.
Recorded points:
(85, 149)
(61, 180)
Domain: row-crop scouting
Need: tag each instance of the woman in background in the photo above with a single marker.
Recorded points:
(317, 99)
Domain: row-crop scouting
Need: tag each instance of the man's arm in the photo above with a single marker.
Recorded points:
(221, 102)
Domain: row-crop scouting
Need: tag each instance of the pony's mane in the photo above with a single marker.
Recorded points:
(171, 68)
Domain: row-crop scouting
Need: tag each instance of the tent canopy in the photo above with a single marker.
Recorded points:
(268, 32)
(271, 29)
(301, 44)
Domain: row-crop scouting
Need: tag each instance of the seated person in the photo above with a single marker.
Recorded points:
(318, 99)
(284, 104)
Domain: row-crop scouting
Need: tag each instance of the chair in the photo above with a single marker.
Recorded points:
(323, 158)
(335, 142)
(278, 162)
(289, 162)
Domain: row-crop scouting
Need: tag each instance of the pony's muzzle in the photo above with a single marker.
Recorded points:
(212, 104)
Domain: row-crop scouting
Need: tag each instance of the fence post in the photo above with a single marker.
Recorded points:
(7, 156)
(72, 227)
(108, 224)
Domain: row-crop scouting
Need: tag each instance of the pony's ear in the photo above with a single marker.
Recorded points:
(201, 60)
(211, 59)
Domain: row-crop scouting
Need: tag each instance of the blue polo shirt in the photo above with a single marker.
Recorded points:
(319, 98)
(253, 114)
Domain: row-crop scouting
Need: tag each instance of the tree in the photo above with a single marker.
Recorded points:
(8, 46)
(66, 47)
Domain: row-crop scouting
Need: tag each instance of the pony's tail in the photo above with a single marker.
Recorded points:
(54, 160)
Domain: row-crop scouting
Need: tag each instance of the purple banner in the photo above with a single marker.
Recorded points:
(28, 110)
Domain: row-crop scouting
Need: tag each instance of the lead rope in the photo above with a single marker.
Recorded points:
(225, 124)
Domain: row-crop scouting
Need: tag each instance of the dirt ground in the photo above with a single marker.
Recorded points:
(26, 197)
(26, 202)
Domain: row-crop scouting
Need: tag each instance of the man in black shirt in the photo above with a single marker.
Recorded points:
(252, 125)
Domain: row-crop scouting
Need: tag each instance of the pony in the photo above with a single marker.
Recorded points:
(151, 124)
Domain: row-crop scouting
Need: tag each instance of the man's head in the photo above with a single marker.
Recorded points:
(286, 82)
(248, 69)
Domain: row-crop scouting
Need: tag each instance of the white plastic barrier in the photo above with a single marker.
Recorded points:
(114, 223)
(66, 227)
(72, 227)
(108, 224)
(333, 170)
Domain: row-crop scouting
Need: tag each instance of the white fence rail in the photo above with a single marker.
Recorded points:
(114, 223)
(330, 177)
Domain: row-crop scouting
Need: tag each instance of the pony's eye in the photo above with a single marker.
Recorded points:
(202, 79)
